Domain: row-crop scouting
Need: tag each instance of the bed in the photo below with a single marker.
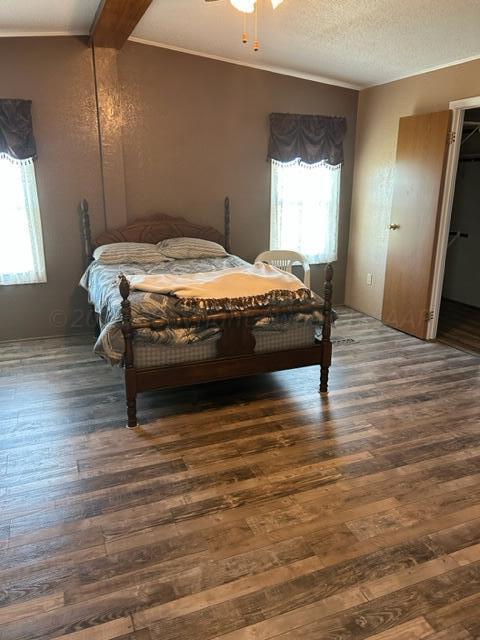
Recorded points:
(161, 344)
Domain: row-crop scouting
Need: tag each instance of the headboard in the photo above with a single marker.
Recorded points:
(153, 229)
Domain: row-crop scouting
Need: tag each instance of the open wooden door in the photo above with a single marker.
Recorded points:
(420, 165)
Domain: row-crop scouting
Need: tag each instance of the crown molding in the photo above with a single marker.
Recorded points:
(423, 71)
(41, 34)
(262, 67)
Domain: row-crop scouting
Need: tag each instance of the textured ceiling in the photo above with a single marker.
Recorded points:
(362, 42)
(34, 17)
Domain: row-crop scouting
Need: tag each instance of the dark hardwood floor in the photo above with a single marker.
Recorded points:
(459, 326)
(245, 510)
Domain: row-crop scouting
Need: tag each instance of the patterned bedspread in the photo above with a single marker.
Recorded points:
(101, 282)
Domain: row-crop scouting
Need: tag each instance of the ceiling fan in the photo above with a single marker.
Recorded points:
(249, 6)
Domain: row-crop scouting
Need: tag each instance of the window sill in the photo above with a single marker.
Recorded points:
(23, 282)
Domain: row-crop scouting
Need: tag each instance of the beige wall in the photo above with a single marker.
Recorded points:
(379, 111)
(57, 75)
(196, 130)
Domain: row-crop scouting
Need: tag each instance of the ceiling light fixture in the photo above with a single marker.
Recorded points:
(246, 7)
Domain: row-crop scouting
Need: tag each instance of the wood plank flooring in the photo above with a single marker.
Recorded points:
(243, 510)
(459, 326)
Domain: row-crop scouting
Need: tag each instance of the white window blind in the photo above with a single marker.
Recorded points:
(304, 209)
(22, 258)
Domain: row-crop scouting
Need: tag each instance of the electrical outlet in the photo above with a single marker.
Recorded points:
(369, 279)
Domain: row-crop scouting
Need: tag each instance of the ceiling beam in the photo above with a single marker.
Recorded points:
(115, 20)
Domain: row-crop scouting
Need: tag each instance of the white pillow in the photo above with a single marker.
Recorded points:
(184, 248)
(129, 252)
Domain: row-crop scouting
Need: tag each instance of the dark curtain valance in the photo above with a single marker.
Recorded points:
(311, 139)
(16, 131)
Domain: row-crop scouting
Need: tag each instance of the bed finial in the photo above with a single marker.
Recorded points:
(326, 328)
(124, 288)
(227, 219)
(86, 232)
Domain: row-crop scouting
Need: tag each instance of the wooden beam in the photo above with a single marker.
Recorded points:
(115, 20)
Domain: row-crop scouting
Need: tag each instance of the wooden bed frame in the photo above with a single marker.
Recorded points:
(235, 347)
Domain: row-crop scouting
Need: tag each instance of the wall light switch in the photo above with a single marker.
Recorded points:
(369, 279)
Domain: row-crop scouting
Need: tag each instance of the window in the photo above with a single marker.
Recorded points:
(304, 209)
(21, 246)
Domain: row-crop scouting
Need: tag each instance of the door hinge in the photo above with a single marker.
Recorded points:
(451, 137)
(429, 315)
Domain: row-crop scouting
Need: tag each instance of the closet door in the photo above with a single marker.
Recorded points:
(419, 174)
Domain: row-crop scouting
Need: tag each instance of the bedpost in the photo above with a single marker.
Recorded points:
(226, 221)
(87, 248)
(86, 232)
(130, 375)
(326, 329)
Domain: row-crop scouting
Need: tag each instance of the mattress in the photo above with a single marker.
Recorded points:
(157, 355)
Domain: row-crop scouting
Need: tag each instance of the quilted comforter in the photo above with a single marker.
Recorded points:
(101, 282)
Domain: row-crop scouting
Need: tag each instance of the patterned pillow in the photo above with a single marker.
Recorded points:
(184, 248)
(129, 252)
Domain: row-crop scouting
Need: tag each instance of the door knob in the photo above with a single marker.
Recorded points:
(395, 226)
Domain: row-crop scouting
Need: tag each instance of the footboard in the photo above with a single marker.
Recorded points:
(236, 355)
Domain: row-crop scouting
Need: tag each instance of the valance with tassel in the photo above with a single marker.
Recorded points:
(17, 142)
(310, 139)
